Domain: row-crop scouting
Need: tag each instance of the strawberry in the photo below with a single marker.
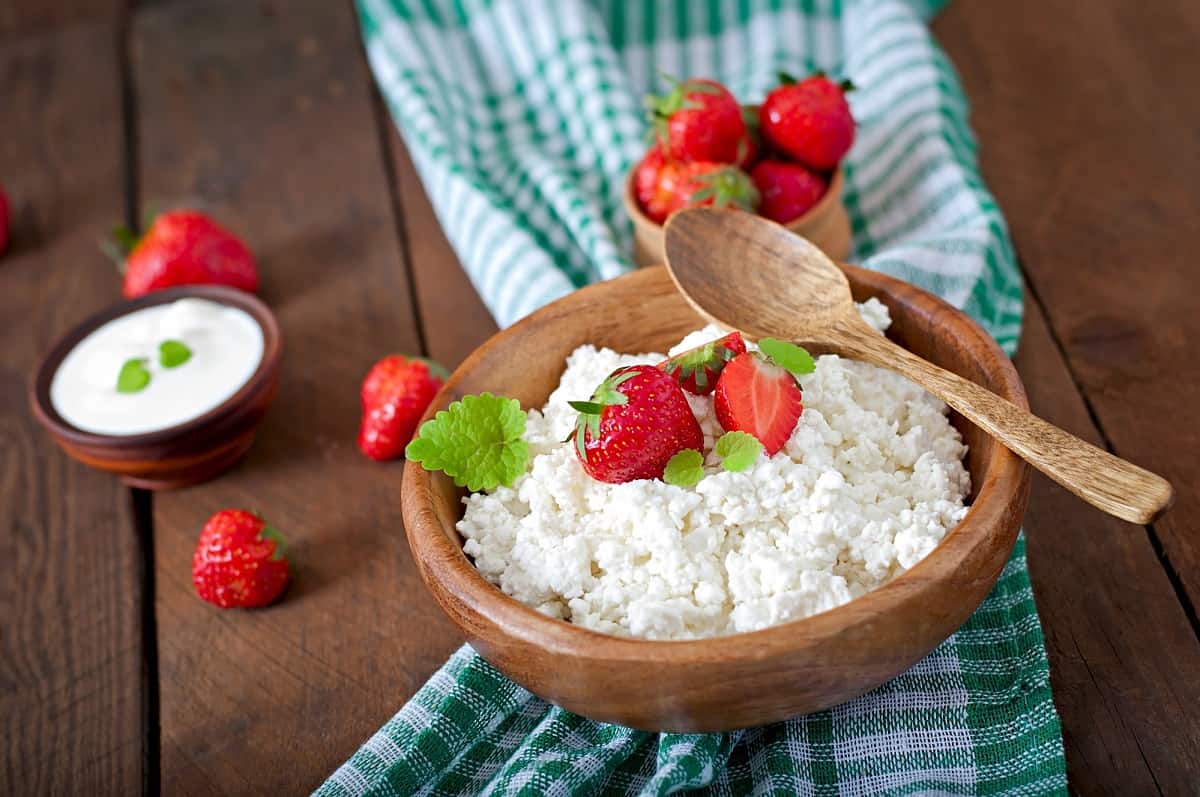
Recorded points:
(697, 369)
(645, 184)
(184, 247)
(809, 121)
(3, 221)
(788, 190)
(239, 561)
(637, 419)
(758, 397)
(698, 120)
(683, 185)
(395, 394)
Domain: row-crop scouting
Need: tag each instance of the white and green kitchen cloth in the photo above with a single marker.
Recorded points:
(523, 117)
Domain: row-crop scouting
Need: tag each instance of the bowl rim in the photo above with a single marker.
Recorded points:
(459, 578)
(39, 387)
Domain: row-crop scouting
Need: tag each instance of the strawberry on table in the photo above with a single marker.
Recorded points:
(698, 120)
(239, 561)
(184, 247)
(757, 393)
(788, 190)
(646, 177)
(635, 422)
(395, 394)
(697, 369)
(809, 120)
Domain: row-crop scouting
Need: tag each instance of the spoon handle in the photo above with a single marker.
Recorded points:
(1105, 481)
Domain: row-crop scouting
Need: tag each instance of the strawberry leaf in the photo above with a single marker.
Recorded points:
(477, 441)
(738, 450)
(684, 469)
(271, 533)
(133, 376)
(788, 356)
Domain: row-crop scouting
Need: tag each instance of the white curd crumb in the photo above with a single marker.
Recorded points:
(869, 483)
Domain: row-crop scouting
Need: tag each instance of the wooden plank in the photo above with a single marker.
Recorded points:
(1123, 658)
(454, 319)
(20, 17)
(262, 115)
(72, 696)
(1096, 169)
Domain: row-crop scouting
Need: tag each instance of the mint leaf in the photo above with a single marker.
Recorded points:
(173, 353)
(788, 356)
(685, 468)
(477, 441)
(738, 450)
(133, 376)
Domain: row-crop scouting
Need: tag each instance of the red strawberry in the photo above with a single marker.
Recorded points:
(698, 120)
(645, 184)
(809, 121)
(788, 190)
(748, 152)
(682, 185)
(395, 394)
(184, 247)
(3, 221)
(760, 398)
(637, 420)
(239, 561)
(697, 369)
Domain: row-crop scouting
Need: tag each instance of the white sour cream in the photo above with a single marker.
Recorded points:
(226, 345)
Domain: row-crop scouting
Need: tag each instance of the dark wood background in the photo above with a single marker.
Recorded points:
(114, 678)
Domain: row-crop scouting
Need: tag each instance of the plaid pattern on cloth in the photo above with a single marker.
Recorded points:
(523, 117)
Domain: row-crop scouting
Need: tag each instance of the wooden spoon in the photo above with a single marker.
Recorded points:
(747, 273)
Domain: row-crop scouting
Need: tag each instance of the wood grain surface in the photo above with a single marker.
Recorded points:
(72, 689)
(262, 115)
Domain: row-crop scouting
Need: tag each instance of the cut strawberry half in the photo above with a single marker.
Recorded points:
(760, 398)
(697, 369)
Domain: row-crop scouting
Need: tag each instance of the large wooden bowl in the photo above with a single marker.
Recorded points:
(743, 679)
(182, 455)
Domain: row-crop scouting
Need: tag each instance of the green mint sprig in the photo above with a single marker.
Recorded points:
(133, 376)
(788, 356)
(738, 450)
(685, 469)
(173, 353)
(478, 441)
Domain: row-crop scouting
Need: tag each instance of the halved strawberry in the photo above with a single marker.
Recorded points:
(637, 419)
(697, 369)
(760, 398)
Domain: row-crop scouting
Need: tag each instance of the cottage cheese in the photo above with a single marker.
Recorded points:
(870, 481)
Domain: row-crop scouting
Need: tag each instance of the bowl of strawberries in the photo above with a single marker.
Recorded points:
(781, 159)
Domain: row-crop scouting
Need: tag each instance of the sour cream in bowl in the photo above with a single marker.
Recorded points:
(166, 389)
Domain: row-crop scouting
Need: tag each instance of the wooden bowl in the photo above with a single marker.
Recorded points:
(743, 679)
(191, 452)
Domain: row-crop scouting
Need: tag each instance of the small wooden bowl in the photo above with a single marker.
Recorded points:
(191, 452)
(825, 224)
(744, 679)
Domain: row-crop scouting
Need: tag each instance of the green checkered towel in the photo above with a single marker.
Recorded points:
(523, 117)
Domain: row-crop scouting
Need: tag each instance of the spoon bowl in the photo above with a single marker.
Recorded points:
(744, 272)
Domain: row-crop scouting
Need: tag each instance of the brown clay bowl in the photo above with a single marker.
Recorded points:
(743, 679)
(191, 452)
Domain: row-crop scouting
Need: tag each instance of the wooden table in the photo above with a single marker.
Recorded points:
(116, 679)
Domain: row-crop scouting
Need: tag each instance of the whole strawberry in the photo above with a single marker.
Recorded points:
(185, 247)
(809, 121)
(682, 185)
(698, 120)
(239, 561)
(646, 177)
(3, 221)
(788, 190)
(637, 419)
(697, 369)
(760, 398)
(395, 394)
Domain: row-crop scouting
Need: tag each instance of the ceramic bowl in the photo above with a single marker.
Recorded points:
(744, 679)
(191, 452)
